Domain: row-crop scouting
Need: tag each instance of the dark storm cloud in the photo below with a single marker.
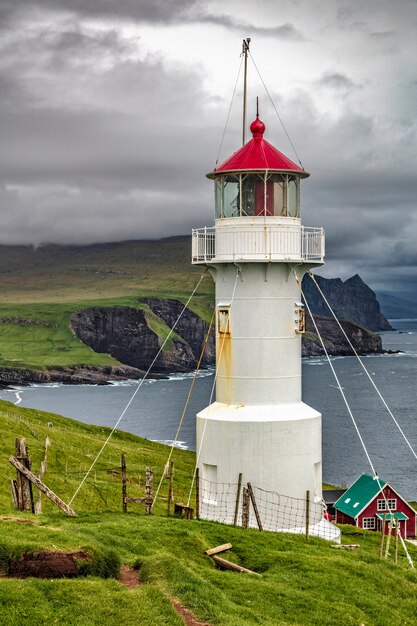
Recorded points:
(335, 80)
(282, 31)
(101, 141)
(152, 11)
(93, 152)
(140, 10)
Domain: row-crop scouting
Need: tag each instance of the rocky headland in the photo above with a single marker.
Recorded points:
(134, 335)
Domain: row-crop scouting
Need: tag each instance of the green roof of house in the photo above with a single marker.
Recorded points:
(398, 515)
(359, 495)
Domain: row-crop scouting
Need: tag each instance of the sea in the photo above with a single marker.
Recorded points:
(157, 407)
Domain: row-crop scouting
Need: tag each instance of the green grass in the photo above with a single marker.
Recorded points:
(302, 583)
(51, 283)
(73, 448)
(114, 270)
(40, 347)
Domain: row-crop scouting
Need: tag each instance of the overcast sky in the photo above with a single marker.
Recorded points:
(112, 111)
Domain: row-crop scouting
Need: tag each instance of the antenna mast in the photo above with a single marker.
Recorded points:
(245, 50)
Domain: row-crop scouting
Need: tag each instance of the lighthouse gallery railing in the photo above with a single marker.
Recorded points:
(264, 243)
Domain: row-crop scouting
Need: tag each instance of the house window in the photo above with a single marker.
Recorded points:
(387, 505)
(368, 522)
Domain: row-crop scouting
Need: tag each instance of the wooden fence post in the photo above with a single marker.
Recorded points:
(13, 488)
(307, 514)
(149, 491)
(40, 485)
(245, 508)
(197, 493)
(171, 487)
(124, 491)
(255, 506)
(42, 472)
(24, 491)
(381, 545)
(239, 488)
(397, 528)
(389, 535)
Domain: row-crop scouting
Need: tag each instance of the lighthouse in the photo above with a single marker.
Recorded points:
(257, 252)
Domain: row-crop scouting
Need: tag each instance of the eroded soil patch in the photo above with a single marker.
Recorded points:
(48, 565)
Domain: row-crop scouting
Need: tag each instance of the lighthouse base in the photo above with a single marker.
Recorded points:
(276, 448)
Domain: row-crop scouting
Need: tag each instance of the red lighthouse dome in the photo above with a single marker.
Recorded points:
(257, 180)
(258, 154)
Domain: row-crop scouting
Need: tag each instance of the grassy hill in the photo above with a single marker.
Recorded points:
(53, 273)
(301, 583)
(46, 285)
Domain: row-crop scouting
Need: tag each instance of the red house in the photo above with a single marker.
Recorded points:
(368, 499)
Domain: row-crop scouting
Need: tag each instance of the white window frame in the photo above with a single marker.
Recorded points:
(390, 504)
(369, 523)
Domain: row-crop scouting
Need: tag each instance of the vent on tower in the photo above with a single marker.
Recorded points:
(223, 320)
(300, 318)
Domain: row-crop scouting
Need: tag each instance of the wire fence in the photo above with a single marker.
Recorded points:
(230, 503)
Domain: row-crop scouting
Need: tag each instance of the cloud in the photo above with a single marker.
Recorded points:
(285, 31)
(103, 139)
(335, 80)
(164, 11)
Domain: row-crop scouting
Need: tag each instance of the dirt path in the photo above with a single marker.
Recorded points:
(188, 617)
(129, 577)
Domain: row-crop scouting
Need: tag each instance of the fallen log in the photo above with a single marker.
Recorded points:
(345, 546)
(232, 566)
(222, 548)
(40, 485)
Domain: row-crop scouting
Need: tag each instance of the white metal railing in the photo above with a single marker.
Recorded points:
(258, 243)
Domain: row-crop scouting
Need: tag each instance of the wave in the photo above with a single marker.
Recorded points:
(181, 445)
(188, 375)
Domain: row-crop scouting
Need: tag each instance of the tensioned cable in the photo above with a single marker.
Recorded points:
(211, 394)
(185, 407)
(376, 477)
(230, 109)
(410, 561)
(336, 377)
(137, 388)
(276, 110)
(313, 278)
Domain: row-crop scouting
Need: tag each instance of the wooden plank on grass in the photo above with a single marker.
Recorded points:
(232, 566)
(40, 485)
(217, 549)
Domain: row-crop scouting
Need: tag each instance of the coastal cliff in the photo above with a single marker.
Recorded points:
(134, 336)
(130, 336)
(351, 300)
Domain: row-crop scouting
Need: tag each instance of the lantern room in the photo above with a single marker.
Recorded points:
(257, 180)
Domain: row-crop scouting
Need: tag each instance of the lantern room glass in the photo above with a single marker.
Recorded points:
(257, 194)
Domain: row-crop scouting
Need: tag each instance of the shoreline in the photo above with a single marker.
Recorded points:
(96, 375)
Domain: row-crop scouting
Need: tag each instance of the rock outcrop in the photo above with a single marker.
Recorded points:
(351, 300)
(190, 327)
(364, 341)
(126, 334)
(80, 375)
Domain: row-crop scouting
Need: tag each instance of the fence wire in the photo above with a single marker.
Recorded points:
(222, 502)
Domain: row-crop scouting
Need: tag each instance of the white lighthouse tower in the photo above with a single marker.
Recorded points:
(258, 425)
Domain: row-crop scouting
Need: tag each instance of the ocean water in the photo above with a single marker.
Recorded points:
(157, 408)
